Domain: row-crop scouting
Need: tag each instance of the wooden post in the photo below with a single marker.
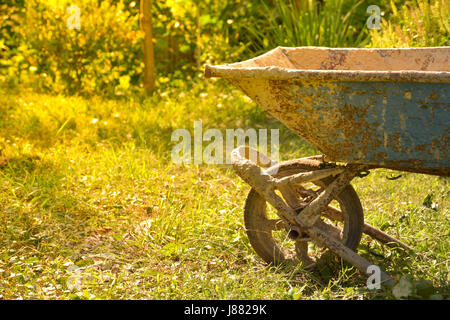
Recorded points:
(198, 51)
(149, 59)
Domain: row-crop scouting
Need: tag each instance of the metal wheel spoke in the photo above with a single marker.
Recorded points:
(308, 192)
(274, 224)
(290, 196)
(333, 231)
(333, 214)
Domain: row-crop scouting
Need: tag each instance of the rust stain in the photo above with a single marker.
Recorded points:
(428, 60)
(433, 96)
(408, 95)
(335, 59)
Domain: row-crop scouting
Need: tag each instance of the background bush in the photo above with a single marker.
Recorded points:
(11, 13)
(296, 23)
(105, 55)
(417, 23)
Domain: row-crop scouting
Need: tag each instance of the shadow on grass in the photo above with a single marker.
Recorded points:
(40, 212)
(28, 162)
(331, 274)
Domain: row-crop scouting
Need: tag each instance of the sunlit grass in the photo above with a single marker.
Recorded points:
(89, 183)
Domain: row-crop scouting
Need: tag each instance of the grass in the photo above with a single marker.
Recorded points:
(417, 23)
(91, 206)
(334, 25)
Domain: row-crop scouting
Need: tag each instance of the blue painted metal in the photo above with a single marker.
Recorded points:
(389, 124)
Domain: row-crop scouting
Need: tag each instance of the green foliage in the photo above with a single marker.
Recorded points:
(103, 56)
(417, 23)
(309, 23)
(10, 41)
(38, 48)
(208, 31)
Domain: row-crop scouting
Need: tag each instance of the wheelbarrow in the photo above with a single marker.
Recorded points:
(362, 109)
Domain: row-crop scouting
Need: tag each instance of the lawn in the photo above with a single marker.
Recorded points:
(92, 206)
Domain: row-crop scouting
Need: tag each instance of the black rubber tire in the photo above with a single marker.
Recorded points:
(255, 210)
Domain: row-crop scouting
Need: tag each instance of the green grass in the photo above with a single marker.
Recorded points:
(333, 25)
(104, 195)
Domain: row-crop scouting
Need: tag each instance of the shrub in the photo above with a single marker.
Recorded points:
(104, 55)
(415, 24)
(309, 23)
(10, 41)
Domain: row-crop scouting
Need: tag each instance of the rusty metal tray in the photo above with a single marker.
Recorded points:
(379, 107)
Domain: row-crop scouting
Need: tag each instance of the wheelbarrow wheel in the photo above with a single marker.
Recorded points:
(276, 242)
